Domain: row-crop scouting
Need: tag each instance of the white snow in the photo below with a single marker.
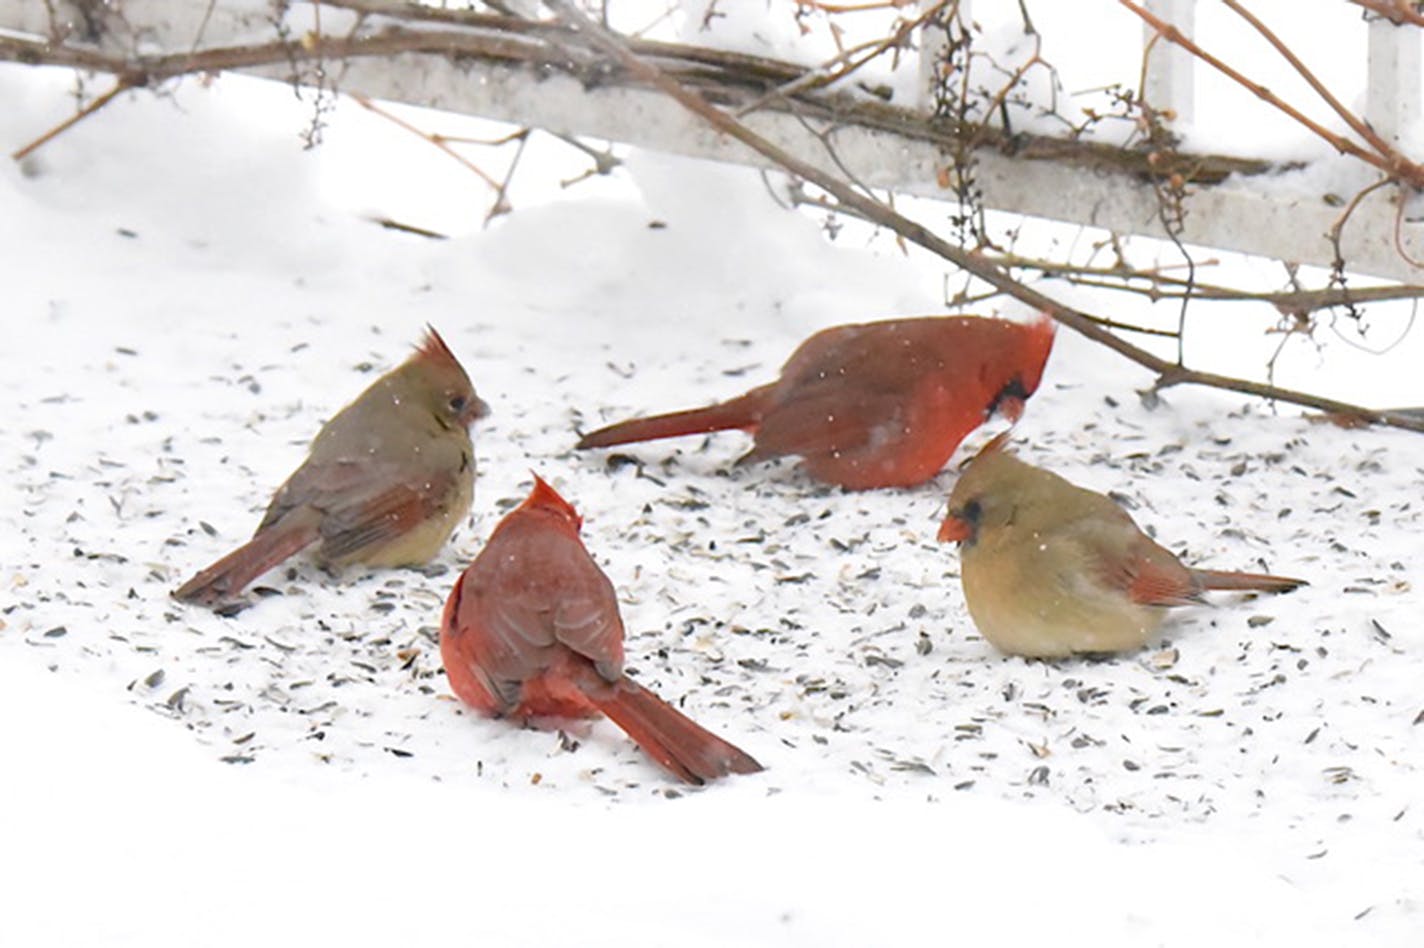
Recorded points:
(188, 296)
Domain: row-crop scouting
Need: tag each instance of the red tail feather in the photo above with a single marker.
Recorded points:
(1261, 582)
(682, 746)
(742, 412)
(231, 574)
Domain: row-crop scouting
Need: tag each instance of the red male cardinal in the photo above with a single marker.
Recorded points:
(531, 631)
(874, 404)
(1050, 569)
(385, 482)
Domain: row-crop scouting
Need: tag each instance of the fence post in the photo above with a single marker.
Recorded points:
(1171, 69)
(1392, 92)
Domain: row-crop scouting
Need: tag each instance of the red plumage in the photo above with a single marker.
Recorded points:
(880, 404)
(531, 631)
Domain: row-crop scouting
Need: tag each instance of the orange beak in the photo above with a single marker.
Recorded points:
(954, 529)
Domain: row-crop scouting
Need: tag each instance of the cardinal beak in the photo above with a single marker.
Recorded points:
(474, 411)
(955, 528)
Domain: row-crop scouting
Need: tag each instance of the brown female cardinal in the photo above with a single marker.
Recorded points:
(874, 404)
(385, 482)
(531, 632)
(1050, 569)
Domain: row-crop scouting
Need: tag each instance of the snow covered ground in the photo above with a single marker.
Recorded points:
(189, 295)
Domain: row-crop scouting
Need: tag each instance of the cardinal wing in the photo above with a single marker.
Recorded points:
(361, 522)
(824, 418)
(586, 619)
(367, 503)
(1124, 559)
(851, 389)
(531, 596)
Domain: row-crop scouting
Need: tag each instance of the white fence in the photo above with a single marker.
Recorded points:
(896, 155)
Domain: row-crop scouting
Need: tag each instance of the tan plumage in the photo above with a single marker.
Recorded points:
(385, 482)
(1052, 569)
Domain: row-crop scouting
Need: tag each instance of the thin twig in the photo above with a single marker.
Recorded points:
(501, 198)
(122, 83)
(486, 142)
(372, 107)
(203, 26)
(1294, 301)
(390, 224)
(999, 101)
(1336, 232)
(1399, 234)
(853, 7)
(603, 161)
(1349, 118)
(844, 63)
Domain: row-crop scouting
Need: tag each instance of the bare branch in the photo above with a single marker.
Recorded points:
(1349, 118)
(501, 198)
(846, 62)
(438, 142)
(120, 85)
(1337, 229)
(1399, 235)
(825, 7)
(1293, 301)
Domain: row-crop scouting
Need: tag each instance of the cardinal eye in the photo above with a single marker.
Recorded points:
(971, 512)
(458, 403)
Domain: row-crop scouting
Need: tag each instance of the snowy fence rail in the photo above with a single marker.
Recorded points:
(896, 151)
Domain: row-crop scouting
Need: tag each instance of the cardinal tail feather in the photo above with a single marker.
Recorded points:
(1220, 579)
(741, 412)
(685, 748)
(231, 574)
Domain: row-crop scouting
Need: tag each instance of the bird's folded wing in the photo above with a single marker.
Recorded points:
(1128, 561)
(358, 519)
(826, 419)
